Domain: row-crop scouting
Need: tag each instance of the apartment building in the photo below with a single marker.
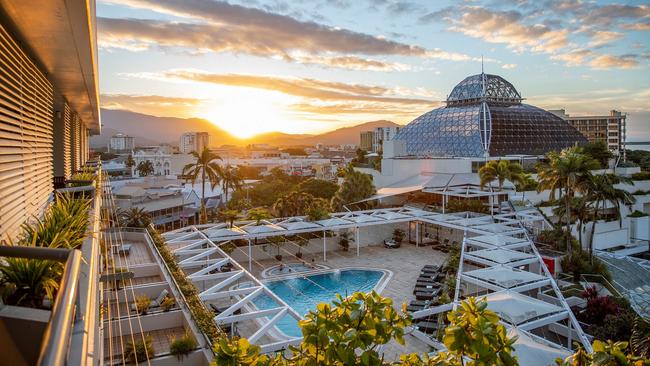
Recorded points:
(121, 143)
(50, 103)
(607, 128)
(366, 139)
(372, 141)
(193, 141)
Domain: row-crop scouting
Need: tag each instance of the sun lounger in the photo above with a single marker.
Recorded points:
(424, 295)
(392, 244)
(420, 302)
(218, 310)
(413, 308)
(427, 327)
(432, 266)
(432, 289)
(427, 283)
(155, 303)
(124, 249)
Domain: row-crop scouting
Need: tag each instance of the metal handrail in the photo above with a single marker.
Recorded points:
(54, 348)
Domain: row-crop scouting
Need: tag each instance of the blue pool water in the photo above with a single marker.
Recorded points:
(303, 294)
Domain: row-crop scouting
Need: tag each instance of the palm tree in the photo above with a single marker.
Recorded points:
(501, 170)
(145, 168)
(134, 217)
(228, 216)
(581, 211)
(130, 163)
(231, 180)
(258, 214)
(600, 190)
(567, 171)
(205, 167)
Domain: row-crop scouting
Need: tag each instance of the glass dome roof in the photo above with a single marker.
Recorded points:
(484, 116)
(484, 87)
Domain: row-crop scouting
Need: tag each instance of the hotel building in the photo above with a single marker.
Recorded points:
(193, 141)
(609, 129)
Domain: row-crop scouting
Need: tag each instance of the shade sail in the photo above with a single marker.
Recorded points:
(517, 309)
(501, 256)
(505, 276)
(532, 352)
(497, 240)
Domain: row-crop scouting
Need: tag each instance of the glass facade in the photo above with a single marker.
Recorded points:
(484, 115)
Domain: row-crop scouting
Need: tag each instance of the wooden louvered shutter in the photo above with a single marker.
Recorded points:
(26, 137)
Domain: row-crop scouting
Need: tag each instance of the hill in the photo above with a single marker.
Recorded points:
(150, 130)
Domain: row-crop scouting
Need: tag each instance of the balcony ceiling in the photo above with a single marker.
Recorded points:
(62, 35)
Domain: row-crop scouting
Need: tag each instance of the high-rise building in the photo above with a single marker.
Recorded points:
(193, 141)
(609, 129)
(50, 102)
(121, 143)
(381, 134)
(366, 140)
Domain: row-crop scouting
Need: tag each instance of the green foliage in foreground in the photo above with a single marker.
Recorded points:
(351, 331)
(63, 225)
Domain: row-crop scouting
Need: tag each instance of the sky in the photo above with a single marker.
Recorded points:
(309, 66)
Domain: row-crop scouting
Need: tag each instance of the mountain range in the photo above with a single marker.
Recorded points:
(153, 130)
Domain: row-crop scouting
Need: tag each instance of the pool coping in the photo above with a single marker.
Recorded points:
(276, 332)
(265, 276)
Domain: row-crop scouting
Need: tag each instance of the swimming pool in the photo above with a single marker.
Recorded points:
(303, 294)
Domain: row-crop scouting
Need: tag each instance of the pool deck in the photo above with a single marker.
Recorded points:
(404, 263)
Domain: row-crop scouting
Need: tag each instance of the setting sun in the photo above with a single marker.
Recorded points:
(245, 117)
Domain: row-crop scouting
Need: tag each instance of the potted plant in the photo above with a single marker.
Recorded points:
(344, 241)
(398, 235)
(277, 241)
(142, 304)
(139, 351)
(167, 304)
(301, 242)
(182, 346)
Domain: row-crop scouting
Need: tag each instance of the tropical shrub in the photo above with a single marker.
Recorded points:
(168, 303)
(637, 213)
(643, 175)
(81, 179)
(140, 351)
(357, 186)
(605, 354)
(27, 282)
(598, 307)
(63, 225)
(319, 188)
(640, 340)
(181, 347)
(344, 240)
(457, 205)
(398, 235)
(142, 304)
(351, 331)
(202, 316)
(134, 217)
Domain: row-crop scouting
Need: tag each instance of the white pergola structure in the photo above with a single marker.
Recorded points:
(498, 261)
(504, 267)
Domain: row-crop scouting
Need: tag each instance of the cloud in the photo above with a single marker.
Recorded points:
(151, 104)
(508, 66)
(351, 62)
(540, 30)
(599, 38)
(637, 26)
(359, 108)
(613, 62)
(508, 27)
(222, 27)
(314, 89)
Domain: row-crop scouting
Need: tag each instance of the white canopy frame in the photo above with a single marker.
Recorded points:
(505, 233)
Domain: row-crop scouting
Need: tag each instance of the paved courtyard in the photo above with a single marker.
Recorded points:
(404, 263)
